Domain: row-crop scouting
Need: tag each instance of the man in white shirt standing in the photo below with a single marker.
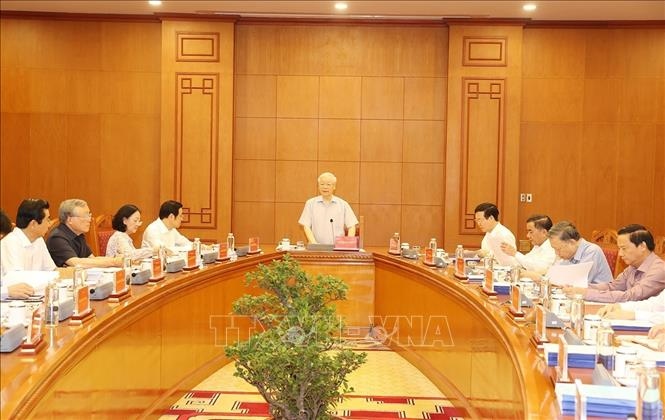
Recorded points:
(487, 219)
(324, 217)
(541, 257)
(164, 230)
(24, 248)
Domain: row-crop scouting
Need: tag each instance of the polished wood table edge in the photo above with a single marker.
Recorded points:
(109, 320)
(531, 367)
(147, 298)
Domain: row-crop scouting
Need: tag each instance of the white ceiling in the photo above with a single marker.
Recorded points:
(434, 10)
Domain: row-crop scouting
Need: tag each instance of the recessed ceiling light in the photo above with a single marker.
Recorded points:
(155, 2)
(341, 6)
(529, 7)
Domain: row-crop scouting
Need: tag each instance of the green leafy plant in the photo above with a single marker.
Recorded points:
(296, 361)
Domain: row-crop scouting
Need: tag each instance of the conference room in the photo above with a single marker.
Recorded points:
(422, 110)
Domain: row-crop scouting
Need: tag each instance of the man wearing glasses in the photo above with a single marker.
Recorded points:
(325, 216)
(24, 249)
(67, 243)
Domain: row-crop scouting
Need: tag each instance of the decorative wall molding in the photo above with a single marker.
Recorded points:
(196, 138)
(484, 51)
(482, 146)
(197, 47)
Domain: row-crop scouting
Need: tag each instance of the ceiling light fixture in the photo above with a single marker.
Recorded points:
(155, 2)
(341, 6)
(529, 7)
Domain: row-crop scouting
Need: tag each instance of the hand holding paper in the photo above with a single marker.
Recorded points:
(576, 275)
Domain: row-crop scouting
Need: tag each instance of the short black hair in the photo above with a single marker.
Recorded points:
(638, 234)
(488, 210)
(5, 223)
(123, 212)
(540, 221)
(565, 231)
(29, 210)
(169, 207)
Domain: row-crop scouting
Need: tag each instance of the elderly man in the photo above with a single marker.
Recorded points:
(67, 243)
(644, 277)
(571, 248)
(487, 219)
(541, 257)
(164, 230)
(325, 216)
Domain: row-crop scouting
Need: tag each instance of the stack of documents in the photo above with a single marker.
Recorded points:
(579, 356)
(601, 400)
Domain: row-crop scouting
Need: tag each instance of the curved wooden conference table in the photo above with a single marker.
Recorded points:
(138, 357)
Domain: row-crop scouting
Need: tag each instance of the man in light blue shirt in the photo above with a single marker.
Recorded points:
(571, 248)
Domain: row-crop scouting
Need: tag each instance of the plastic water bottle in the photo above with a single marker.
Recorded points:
(51, 302)
(648, 392)
(230, 242)
(432, 246)
(197, 249)
(577, 314)
(605, 345)
(459, 251)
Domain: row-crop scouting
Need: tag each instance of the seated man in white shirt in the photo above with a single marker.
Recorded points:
(164, 230)
(652, 309)
(487, 219)
(324, 217)
(541, 257)
(24, 248)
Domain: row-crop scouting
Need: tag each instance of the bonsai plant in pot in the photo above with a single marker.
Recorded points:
(296, 360)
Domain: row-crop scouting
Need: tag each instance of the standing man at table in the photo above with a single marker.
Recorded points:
(325, 216)
(571, 248)
(487, 219)
(164, 230)
(644, 277)
(67, 243)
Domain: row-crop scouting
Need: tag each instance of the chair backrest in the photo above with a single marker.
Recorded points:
(99, 234)
(660, 245)
(607, 240)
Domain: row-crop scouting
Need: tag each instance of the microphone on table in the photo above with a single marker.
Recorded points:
(332, 229)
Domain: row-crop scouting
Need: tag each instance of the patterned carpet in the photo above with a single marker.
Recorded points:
(386, 387)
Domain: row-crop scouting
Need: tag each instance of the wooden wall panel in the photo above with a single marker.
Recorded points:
(483, 136)
(592, 127)
(80, 110)
(356, 100)
(197, 123)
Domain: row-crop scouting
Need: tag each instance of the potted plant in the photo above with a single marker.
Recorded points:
(296, 360)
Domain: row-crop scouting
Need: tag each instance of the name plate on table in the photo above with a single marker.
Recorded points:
(540, 334)
(120, 286)
(223, 252)
(346, 243)
(191, 260)
(460, 268)
(516, 302)
(562, 361)
(254, 245)
(156, 270)
(488, 283)
(429, 257)
(34, 341)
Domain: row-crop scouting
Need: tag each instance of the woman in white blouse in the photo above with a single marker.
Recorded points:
(126, 222)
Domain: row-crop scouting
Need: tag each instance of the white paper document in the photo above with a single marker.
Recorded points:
(576, 275)
(503, 258)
